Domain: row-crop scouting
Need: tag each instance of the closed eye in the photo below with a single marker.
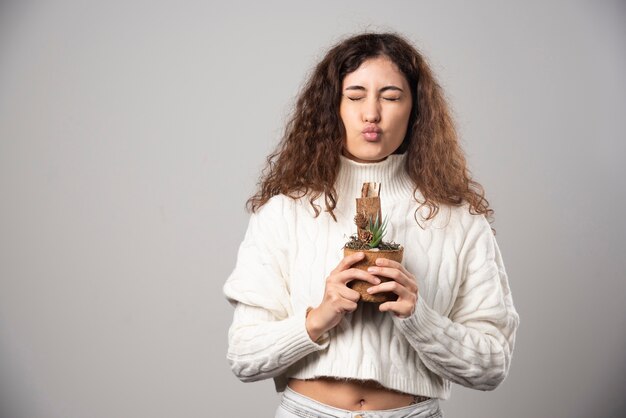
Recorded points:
(389, 99)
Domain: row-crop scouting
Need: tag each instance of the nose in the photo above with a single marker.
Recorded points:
(371, 111)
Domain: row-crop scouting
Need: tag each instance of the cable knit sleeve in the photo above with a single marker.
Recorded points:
(266, 336)
(473, 346)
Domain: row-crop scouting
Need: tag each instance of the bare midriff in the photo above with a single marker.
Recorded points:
(351, 394)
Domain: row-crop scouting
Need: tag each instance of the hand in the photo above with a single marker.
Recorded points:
(402, 284)
(338, 297)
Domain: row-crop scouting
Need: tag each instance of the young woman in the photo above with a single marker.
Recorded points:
(371, 112)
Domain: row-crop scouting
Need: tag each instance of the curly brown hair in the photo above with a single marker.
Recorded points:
(306, 160)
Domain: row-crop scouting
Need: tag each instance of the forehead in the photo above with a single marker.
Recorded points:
(375, 71)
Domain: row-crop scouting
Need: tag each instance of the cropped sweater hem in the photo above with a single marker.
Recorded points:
(397, 382)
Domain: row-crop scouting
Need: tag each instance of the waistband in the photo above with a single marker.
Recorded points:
(304, 406)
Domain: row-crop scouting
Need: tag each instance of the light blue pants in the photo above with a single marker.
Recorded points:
(293, 404)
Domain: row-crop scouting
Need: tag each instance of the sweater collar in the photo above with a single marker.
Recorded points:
(390, 173)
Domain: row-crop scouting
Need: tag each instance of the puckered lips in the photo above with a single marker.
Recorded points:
(371, 133)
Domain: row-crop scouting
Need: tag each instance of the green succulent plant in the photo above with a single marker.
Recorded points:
(377, 229)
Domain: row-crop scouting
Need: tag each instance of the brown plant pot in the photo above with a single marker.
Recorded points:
(370, 258)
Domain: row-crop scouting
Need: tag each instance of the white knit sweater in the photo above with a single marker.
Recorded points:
(464, 324)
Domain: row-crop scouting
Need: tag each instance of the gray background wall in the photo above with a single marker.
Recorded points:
(132, 132)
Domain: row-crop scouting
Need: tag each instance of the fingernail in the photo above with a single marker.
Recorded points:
(372, 269)
(379, 261)
(370, 289)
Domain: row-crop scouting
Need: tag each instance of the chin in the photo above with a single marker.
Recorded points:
(372, 156)
(369, 152)
(376, 158)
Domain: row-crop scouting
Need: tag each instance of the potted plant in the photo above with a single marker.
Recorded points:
(371, 229)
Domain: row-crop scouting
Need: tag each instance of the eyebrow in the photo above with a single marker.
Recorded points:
(361, 88)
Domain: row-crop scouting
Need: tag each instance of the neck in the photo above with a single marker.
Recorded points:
(390, 173)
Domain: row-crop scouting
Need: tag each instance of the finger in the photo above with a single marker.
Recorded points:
(401, 309)
(348, 261)
(385, 262)
(353, 273)
(338, 292)
(391, 286)
(348, 305)
(349, 294)
(386, 306)
(396, 275)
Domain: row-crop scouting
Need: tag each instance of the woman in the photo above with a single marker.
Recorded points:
(371, 112)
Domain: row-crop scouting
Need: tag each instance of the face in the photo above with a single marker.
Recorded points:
(375, 109)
